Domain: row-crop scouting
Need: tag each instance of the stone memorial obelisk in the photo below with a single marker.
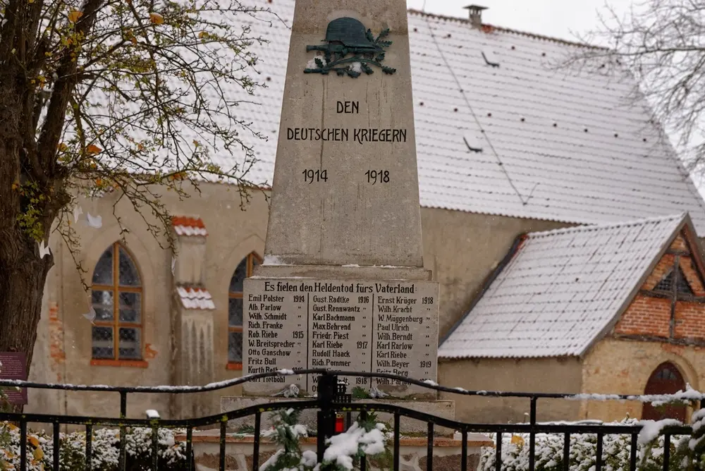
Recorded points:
(343, 286)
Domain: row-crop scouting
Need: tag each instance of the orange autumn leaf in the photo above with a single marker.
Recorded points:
(93, 149)
(178, 176)
(99, 182)
(156, 18)
(33, 441)
(74, 15)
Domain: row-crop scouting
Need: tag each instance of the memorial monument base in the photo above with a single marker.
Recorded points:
(238, 452)
(353, 322)
(445, 409)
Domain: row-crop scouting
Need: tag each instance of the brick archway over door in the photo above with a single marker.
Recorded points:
(666, 379)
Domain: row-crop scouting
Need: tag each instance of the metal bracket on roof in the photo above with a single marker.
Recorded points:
(474, 147)
(490, 59)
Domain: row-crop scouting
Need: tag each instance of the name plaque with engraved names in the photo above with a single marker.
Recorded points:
(375, 326)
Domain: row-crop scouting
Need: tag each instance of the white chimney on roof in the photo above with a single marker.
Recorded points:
(475, 15)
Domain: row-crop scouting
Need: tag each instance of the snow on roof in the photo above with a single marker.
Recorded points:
(557, 144)
(186, 226)
(562, 290)
(195, 297)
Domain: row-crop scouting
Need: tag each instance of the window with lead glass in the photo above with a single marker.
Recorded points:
(677, 276)
(116, 296)
(235, 307)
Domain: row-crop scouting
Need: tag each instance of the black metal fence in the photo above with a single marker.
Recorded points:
(330, 400)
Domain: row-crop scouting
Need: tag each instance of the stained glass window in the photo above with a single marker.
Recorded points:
(235, 307)
(116, 297)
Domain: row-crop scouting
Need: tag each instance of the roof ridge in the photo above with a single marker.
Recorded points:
(594, 227)
(506, 30)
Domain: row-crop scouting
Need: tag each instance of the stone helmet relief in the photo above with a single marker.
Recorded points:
(351, 50)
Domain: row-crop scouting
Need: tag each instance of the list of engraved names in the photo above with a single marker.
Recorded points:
(382, 326)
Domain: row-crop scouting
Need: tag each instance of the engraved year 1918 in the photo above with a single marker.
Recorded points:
(311, 175)
(377, 176)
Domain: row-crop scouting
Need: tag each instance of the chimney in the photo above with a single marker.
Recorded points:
(475, 15)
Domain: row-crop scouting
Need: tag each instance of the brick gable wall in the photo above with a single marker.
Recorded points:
(646, 316)
(650, 316)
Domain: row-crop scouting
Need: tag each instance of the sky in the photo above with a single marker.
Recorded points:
(556, 18)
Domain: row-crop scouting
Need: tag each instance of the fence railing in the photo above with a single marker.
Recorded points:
(331, 398)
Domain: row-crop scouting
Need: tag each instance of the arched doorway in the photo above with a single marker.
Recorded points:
(666, 379)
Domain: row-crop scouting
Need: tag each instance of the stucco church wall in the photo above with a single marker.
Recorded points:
(63, 350)
(549, 375)
(618, 366)
(461, 248)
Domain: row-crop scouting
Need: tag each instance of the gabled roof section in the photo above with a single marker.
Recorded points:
(557, 144)
(563, 290)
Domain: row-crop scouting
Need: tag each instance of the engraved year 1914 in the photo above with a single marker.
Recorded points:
(377, 176)
(311, 175)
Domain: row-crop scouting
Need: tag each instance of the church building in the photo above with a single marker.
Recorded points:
(560, 223)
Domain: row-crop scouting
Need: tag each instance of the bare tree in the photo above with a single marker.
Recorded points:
(662, 42)
(107, 95)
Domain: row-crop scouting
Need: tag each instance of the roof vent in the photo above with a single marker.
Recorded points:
(475, 15)
(490, 58)
(473, 142)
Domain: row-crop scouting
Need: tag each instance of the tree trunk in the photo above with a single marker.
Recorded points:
(22, 271)
(22, 279)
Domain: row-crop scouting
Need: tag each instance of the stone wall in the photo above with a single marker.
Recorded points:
(621, 366)
(550, 375)
(308, 417)
(446, 453)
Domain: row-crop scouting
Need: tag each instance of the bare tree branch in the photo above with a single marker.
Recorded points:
(662, 43)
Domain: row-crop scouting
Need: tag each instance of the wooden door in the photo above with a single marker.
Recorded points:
(666, 379)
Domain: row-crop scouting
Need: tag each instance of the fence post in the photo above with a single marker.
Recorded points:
(327, 389)
(532, 434)
(122, 460)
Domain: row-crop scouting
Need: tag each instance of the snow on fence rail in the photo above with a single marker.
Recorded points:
(556, 446)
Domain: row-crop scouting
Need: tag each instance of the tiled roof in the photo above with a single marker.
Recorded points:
(195, 298)
(558, 144)
(561, 290)
(186, 226)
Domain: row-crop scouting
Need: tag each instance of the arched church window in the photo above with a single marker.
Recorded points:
(666, 379)
(116, 296)
(236, 309)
